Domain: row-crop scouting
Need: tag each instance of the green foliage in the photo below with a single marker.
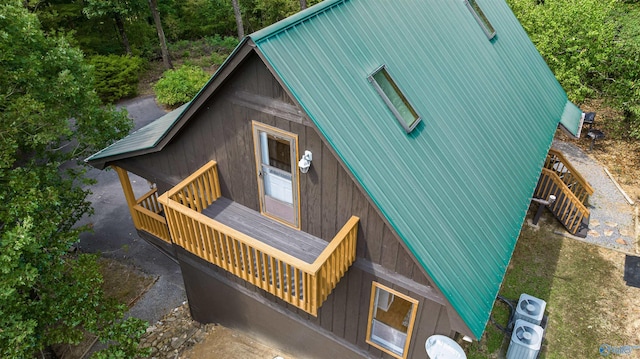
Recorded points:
(590, 48)
(94, 27)
(258, 14)
(222, 44)
(179, 86)
(123, 8)
(217, 59)
(195, 19)
(116, 77)
(629, 40)
(97, 34)
(49, 115)
(573, 49)
(203, 47)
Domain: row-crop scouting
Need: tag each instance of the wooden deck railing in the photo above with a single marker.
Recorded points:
(569, 175)
(304, 285)
(147, 211)
(199, 190)
(567, 207)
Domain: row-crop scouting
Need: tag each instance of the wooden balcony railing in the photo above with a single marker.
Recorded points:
(148, 216)
(304, 285)
(567, 208)
(557, 163)
(198, 190)
(146, 210)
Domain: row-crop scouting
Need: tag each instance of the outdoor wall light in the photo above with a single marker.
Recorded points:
(305, 162)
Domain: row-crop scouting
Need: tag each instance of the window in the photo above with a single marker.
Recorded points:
(391, 319)
(481, 18)
(394, 99)
(276, 152)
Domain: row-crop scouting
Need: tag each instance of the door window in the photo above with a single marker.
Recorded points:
(276, 153)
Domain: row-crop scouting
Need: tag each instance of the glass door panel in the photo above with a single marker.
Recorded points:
(277, 178)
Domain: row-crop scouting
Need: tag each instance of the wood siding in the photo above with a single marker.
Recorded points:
(221, 130)
(211, 300)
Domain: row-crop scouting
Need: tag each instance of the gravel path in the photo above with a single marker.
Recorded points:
(612, 222)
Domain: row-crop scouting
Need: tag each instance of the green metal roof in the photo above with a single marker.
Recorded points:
(457, 188)
(145, 138)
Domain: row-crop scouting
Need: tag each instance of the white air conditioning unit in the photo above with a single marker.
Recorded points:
(530, 308)
(526, 340)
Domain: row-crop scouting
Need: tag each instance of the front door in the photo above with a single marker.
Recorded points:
(276, 153)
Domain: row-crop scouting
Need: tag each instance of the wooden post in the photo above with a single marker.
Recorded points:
(128, 193)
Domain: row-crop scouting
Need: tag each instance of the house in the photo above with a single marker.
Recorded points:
(353, 179)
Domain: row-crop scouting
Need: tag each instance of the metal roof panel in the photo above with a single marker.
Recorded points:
(144, 138)
(457, 188)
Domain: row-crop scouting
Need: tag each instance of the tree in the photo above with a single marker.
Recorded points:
(238, 15)
(129, 9)
(119, 10)
(153, 5)
(585, 45)
(49, 116)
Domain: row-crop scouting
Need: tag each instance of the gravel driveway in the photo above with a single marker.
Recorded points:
(613, 219)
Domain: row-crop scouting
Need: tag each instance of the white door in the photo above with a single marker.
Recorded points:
(277, 173)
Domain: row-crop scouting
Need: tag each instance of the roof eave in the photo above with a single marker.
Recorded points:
(244, 48)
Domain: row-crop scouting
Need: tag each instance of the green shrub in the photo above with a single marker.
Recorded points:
(116, 76)
(217, 59)
(596, 57)
(179, 86)
(222, 44)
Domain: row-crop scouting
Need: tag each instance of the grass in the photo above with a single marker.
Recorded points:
(124, 282)
(581, 288)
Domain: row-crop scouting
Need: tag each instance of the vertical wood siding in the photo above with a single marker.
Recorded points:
(221, 131)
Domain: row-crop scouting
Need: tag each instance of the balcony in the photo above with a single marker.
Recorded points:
(148, 216)
(146, 211)
(292, 265)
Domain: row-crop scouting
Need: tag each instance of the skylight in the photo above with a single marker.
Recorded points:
(394, 99)
(481, 18)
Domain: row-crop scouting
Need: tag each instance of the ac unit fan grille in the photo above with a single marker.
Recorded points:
(527, 335)
(530, 307)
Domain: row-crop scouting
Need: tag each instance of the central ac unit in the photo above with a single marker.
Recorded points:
(530, 308)
(526, 340)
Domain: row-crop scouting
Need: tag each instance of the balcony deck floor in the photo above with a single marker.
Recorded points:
(273, 233)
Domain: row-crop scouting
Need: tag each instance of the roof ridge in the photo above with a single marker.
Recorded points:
(295, 19)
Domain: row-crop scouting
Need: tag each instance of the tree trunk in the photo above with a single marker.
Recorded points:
(153, 5)
(238, 15)
(303, 4)
(123, 34)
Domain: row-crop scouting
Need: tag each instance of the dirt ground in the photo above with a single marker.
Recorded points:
(177, 336)
(228, 343)
(628, 310)
(620, 157)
